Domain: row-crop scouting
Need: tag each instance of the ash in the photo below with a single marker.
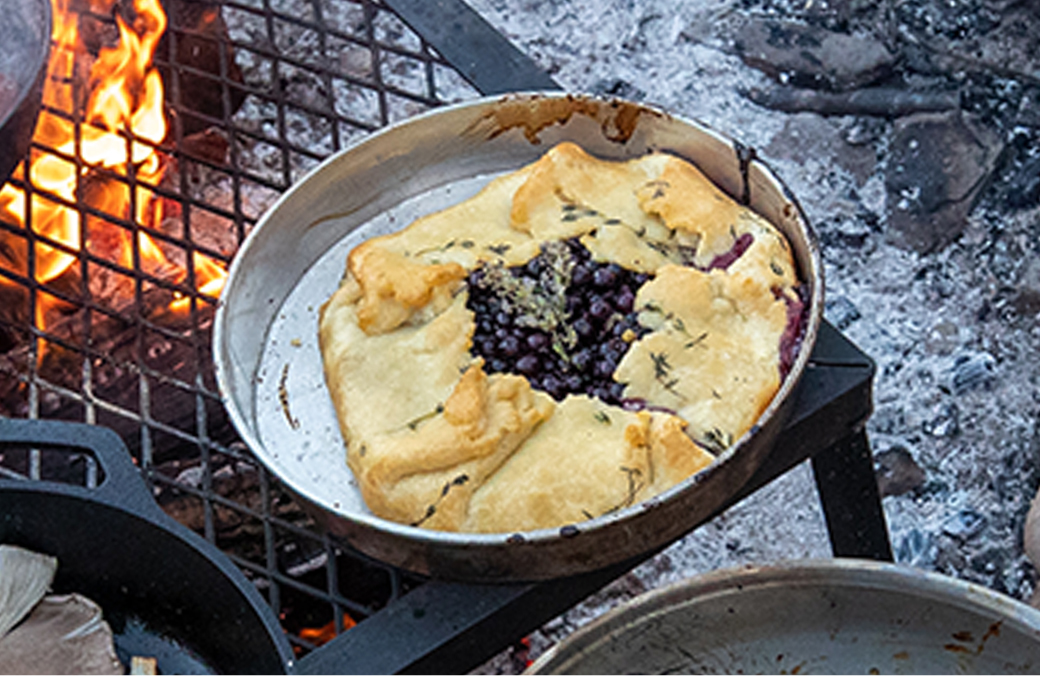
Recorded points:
(915, 152)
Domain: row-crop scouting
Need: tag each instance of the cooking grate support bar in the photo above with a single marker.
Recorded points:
(447, 627)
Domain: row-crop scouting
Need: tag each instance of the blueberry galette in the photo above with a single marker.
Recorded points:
(579, 336)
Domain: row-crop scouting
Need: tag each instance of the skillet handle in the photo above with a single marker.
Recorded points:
(121, 484)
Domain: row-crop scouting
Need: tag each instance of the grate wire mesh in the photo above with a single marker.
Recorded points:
(258, 92)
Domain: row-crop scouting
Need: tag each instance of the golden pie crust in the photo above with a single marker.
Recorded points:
(435, 441)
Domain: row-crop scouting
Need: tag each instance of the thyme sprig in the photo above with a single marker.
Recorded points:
(663, 373)
(538, 303)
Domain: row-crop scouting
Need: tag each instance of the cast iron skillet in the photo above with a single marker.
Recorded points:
(166, 592)
(25, 42)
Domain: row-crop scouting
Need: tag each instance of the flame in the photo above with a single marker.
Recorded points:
(123, 122)
(319, 636)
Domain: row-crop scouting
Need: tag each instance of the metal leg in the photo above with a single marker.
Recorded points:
(851, 503)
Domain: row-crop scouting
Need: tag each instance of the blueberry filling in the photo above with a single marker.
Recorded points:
(561, 320)
(565, 321)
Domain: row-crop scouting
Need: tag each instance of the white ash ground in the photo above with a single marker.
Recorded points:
(958, 366)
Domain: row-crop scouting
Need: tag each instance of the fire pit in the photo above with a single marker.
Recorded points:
(109, 277)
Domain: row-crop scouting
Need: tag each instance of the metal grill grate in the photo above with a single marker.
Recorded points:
(258, 93)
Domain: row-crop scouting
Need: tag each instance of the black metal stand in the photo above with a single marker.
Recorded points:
(447, 627)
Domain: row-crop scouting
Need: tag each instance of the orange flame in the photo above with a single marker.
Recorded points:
(123, 122)
(319, 636)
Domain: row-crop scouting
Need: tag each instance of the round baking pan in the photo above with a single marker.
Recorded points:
(839, 616)
(166, 592)
(25, 40)
(269, 368)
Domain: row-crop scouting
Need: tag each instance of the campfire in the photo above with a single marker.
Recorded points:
(112, 257)
(110, 116)
(93, 250)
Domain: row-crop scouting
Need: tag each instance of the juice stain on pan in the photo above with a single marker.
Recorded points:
(532, 114)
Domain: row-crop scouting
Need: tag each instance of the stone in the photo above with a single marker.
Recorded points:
(1027, 292)
(1031, 533)
(971, 371)
(945, 422)
(810, 135)
(897, 472)
(937, 164)
(942, 338)
(964, 525)
(811, 56)
(917, 549)
(841, 312)
(619, 88)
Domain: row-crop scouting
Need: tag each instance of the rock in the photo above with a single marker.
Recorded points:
(841, 312)
(810, 135)
(945, 423)
(917, 549)
(990, 561)
(937, 164)
(619, 88)
(964, 525)
(897, 472)
(942, 338)
(844, 232)
(865, 131)
(1031, 533)
(971, 371)
(1027, 292)
(811, 56)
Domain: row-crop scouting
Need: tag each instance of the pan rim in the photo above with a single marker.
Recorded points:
(38, 67)
(803, 573)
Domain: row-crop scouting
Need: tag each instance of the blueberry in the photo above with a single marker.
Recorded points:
(528, 364)
(624, 300)
(600, 309)
(509, 346)
(581, 275)
(605, 277)
(537, 341)
(583, 327)
(497, 365)
(582, 359)
(552, 385)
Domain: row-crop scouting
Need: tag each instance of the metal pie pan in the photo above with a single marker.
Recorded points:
(839, 616)
(269, 368)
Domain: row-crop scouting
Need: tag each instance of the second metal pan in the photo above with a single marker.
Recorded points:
(265, 338)
(25, 35)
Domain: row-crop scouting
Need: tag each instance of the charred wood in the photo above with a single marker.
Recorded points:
(873, 102)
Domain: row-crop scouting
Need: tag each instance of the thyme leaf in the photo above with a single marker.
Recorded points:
(716, 440)
(432, 509)
(696, 341)
(414, 424)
